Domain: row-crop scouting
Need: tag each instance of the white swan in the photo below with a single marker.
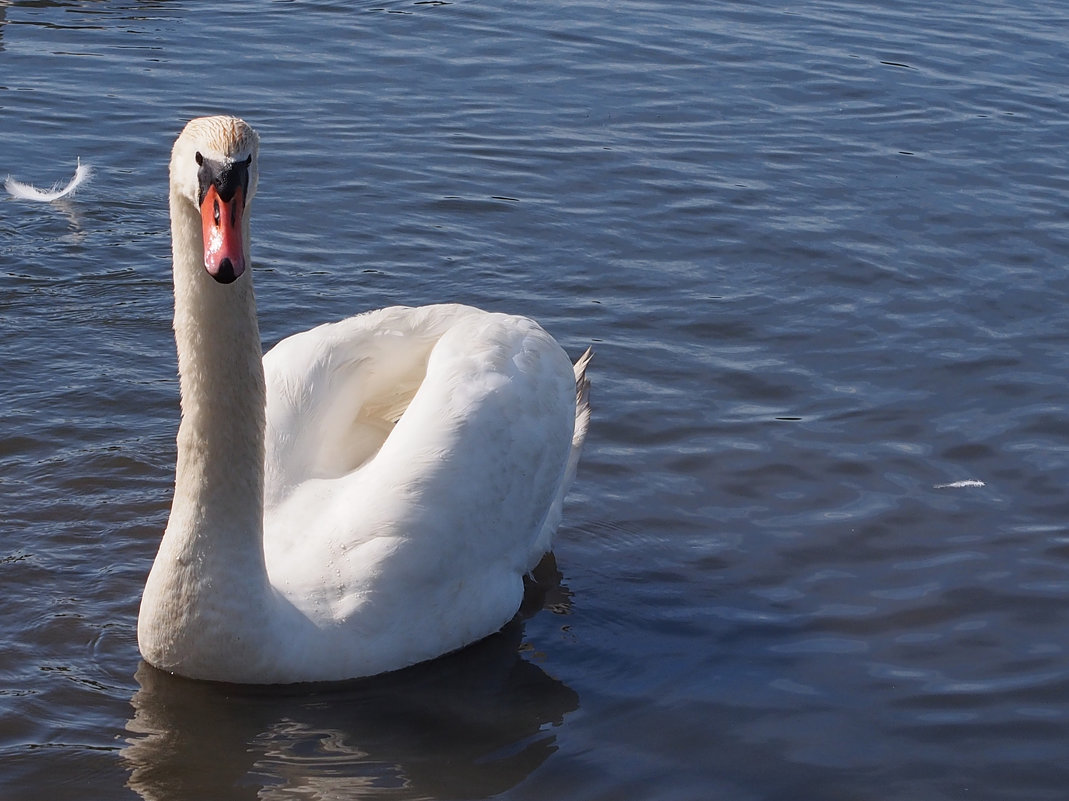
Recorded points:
(367, 495)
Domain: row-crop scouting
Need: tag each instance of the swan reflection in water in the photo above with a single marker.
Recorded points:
(472, 724)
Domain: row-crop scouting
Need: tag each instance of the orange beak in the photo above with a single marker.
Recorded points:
(224, 252)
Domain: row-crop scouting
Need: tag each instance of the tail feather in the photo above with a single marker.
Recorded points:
(582, 403)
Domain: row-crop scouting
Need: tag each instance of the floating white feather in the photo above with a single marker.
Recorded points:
(22, 191)
(969, 482)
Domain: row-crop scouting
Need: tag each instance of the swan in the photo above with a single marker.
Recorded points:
(368, 494)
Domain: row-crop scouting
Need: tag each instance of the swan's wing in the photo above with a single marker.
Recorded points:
(442, 515)
(493, 422)
(335, 392)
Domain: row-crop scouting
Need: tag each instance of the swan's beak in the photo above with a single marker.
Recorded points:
(224, 252)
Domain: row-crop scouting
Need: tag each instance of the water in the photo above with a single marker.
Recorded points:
(820, 250)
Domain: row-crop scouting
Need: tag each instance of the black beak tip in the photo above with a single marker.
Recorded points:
(225, 274)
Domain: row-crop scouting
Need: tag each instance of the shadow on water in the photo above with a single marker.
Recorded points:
(470, 725)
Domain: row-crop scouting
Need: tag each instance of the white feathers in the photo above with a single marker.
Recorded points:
(21, 191)
(969, 482)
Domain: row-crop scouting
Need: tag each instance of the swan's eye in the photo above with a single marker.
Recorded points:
(200, 159)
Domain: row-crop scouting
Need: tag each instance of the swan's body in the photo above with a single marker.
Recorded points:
(367, 495)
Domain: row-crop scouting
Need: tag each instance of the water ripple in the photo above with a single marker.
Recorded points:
(820, 253)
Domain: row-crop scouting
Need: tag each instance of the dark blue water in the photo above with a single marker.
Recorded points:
(820, 250)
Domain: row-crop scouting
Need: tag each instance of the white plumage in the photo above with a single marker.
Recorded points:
(370, 493)
(21, 191)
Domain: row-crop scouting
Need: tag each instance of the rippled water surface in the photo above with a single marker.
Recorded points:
(818, 546)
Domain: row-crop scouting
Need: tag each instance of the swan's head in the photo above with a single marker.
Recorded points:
(213, 166)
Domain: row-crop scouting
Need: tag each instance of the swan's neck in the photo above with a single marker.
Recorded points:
(219, 485)
(208, 586)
